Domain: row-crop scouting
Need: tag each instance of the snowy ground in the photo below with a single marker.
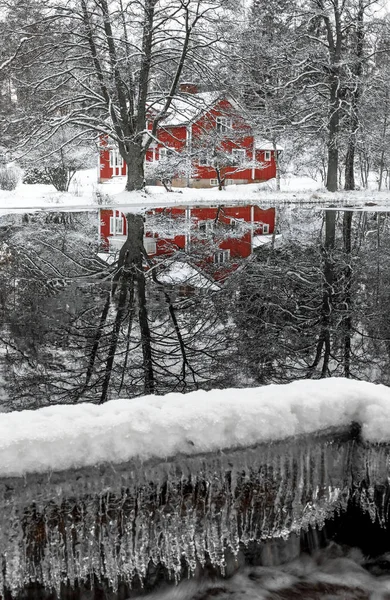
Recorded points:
(65, 436)
(86, 194)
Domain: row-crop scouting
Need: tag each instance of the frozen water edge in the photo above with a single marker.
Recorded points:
(110, 522)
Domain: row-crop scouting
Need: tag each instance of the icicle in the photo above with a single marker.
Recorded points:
(115, 524)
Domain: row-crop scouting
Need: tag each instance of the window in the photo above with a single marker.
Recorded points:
(116, 225)
(265, 228)
(213, 182)
(221, 256)
(165, 153)
(239, 156)
(203, 159)
(115, 159)
(223, 124)
(235, 224)
(150, 245)
(229, 181)
(206, 226)
(267, 155)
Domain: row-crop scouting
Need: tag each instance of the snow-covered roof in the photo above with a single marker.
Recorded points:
(187, 107)
(263, 144)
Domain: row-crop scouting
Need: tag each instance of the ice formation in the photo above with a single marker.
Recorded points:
(229, 480)
(112, 521)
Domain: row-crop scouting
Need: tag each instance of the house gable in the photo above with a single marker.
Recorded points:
(202, 132)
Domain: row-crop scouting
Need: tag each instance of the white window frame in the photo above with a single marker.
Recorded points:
(267, 155)
(116, 160)
(206, 226)
(265, 228)
(239, 155)
(116, 228)
(164, 153)
(213, 182)
(223, 124)
(229, 182)
(235, 224)
(221, 256)
(203, 159)
(150, 245)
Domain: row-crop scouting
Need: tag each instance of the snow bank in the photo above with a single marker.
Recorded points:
(82, 196)
(62, 437)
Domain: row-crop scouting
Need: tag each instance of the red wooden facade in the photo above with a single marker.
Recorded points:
(211, 132)
(215, 238)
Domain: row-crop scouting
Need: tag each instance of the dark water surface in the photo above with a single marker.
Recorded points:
(332, 573)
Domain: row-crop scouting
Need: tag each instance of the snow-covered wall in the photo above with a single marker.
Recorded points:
(73, 436)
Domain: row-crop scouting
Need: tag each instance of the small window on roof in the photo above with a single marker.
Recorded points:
(221, 257)
(223, 124)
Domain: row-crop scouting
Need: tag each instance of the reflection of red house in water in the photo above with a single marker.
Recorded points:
(210, 236)
(202, 131)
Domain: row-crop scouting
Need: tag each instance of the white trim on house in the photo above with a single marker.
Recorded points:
(116, 225)
(150, 245)
(116, 161)
(221, 256)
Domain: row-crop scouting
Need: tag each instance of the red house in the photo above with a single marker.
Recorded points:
(204, 141)
(215, 238)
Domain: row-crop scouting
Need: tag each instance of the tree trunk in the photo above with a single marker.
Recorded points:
(349, 183)
(354, 119)
(277, 165)
(130, 271)
(146, 342)
(327, 297)
(383, 143)
(135, 168)
(333, 151)
(347, 320)
(323, 343)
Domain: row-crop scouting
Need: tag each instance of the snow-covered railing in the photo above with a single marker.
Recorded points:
(103, 493)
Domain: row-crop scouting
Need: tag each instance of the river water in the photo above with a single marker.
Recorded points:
(333, 573)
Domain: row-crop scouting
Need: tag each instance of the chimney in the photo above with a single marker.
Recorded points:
(189, 88)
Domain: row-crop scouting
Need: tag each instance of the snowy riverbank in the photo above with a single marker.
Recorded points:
(71, 436)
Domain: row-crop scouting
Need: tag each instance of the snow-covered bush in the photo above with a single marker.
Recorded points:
(9, 177)
(33, 176)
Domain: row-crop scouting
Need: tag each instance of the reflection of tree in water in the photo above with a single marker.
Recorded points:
(311, 311)
(76, 328)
